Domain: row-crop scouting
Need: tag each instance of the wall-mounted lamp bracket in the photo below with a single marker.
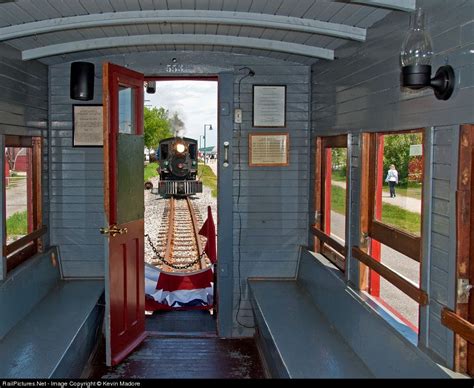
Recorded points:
(419, 76)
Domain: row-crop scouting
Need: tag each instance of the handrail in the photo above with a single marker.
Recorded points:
(329, 241)
(25, 240)
(404, 285)
(458, 324)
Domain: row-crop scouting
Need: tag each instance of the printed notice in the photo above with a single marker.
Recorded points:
(269, 106)
(88, 126)
(268, 149)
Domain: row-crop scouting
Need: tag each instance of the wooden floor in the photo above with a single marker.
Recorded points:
(174, 351)
(196, 321)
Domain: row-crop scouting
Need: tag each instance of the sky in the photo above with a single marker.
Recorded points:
(195, 102)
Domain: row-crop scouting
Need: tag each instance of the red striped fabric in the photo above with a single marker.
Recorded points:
(172, 282)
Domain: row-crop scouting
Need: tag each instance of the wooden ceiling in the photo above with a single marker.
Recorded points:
(303, 31)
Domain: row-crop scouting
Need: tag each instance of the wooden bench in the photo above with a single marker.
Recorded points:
(304, 339)
(55, 325)
(314, 326)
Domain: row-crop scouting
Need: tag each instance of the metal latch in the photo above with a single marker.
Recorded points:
(226, 154)
(113, 230)
(464, 289)
(317, 216)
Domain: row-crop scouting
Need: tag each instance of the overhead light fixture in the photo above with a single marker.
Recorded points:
(81, 85)
(150, 87)
(416, 56)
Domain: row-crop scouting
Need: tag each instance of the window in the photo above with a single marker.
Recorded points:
(331, 198)
(391, 221)
(22, 193)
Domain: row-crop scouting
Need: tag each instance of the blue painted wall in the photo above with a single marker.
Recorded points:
(361, 92)
(23, 111)
(273, 204)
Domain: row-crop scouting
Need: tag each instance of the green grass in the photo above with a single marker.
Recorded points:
(391, 214)
(401, 219)
(338, 175)
(17, 224)
(208, 178)
(150, 171)
(338, 199)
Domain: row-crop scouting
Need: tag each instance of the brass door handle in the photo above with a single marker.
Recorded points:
(113, 230)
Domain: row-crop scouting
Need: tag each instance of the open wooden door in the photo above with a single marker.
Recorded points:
(124, 208)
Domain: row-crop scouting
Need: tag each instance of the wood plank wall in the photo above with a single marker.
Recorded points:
(24, 106)
(361, 92)
(273, 204)
(77, 201)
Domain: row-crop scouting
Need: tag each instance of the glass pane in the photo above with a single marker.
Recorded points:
(126, 110)
(400, 181)
(18, 193)
(398, 302)
(336, 158)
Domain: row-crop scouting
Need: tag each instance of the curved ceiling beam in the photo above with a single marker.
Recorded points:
(190, 39)
(184, 16)
(401, 5)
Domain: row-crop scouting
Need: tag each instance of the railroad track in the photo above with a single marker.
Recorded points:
(179, 239)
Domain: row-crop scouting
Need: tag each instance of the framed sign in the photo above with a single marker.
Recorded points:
(87, 130)
(269, 149)
(269, 106)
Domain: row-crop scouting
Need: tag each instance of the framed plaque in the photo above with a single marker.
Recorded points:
(269, 106)
(87, 129)
(269, 149)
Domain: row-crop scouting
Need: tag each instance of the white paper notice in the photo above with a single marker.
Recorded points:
(88, 126)
(269, 106)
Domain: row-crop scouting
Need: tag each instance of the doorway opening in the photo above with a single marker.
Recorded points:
(180, 195)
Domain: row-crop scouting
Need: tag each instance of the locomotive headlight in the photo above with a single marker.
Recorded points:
(180, 148)
(194, 162)
(166, 163)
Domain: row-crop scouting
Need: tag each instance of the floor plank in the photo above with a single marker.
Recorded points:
(176, 357)
(190, 321)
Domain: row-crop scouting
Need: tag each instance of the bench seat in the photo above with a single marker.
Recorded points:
(305, 341)
(315, 325)
(51, 339)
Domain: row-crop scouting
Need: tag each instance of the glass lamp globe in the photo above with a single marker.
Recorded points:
(415, 57)
(417, 48)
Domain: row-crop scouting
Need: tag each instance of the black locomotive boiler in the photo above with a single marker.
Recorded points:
(178, 167)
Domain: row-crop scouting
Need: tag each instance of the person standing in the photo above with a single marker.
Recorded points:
(392, 179)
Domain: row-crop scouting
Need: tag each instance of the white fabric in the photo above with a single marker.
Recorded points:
(174, 298)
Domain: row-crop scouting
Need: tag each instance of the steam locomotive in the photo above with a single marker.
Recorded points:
(178, 167)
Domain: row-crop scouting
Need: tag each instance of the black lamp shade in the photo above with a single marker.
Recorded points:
(416, 76)
(82, 81)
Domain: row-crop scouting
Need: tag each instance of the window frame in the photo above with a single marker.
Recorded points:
(385, 234)
(27, 246)
(397, 239)
(330, 248)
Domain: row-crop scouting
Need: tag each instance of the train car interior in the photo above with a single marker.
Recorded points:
(345, 190)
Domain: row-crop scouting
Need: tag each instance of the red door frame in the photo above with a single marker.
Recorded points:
(125, 291)
(375, 246)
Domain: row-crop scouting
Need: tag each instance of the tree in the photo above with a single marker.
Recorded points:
(11, 153)
(397, 152)
(339, 160)
(157, 126)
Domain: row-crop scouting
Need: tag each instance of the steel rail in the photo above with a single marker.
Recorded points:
(202, 263)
